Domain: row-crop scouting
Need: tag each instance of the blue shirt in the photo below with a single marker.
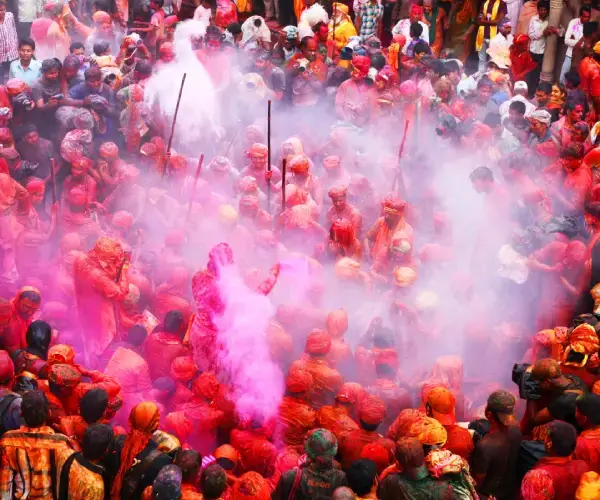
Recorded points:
(29, 75)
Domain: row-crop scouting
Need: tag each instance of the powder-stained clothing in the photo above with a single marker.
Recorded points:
(83, 478)
(417, 483)
(27, 459)
(295, 419)
(315, 483)
(588, 448)
(326, 381)
(336, 420)
(351, 444)
(560, 475)
(160, 350)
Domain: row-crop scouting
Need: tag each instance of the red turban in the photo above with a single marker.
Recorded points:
(15, 86)
(248, 184)
(251, 486)
(338, 192)
(166, 49)
(206, 386)
(378, 454)
(35, 185)
(170, 20)
(318, 342)
(61, 354)
(408, 88)
(337, 323)
(372, 410)
(7, 367)
(178, 424)
(287, 460)
(361, 65)
(299, 163)
(64, 375)
(298, 381)
(108, 150)
(393, 203)
(258, 150)
(248, 205)
(351, 393)
(183, 369)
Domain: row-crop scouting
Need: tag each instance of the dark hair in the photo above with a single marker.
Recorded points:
(164, 384)
(93, 404)
(451, 67)
(27, 41)
(420, 48)
(518, 107)
(484, 82)
(160, 3)
(589, 406)
(378, 61)
(415, 30)
(97, 440)
(226, 463)
(50, 64)
(31, 295)
(570, 104)
(435, 65)
(143, 68)
(385, 370)
(585, 8)
(23, 384)
(361, 476)
(72, 62)
(305, 40)
(93, 74)
(34, 408)
(76, 46)
(563, 437)
(368, 427)
(383, 338)
(492, 120)
(482, 173)
(213, 482)
(234, 28)
(102, 5)
(589, 29)
(409, 452)
(545, 87)
(173, 322)
(101, 47)
(190, 463)
(543, 3)
(136, 335)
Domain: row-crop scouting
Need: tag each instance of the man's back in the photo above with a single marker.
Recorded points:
(83, 479)
(314, 483)
(588, 448)
(417, 484)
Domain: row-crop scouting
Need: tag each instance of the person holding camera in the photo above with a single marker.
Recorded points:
(356, 98)
(307, 74)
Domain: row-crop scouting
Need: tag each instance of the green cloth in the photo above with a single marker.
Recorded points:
(432, 19)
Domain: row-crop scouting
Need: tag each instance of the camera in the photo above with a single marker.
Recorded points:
(371, 76)
(529, 388)
(447, 127)
(22, 100)
(58, 97)
(302, 65)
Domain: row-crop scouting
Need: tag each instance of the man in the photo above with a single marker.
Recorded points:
(307, 79)
(588, 442)
(492, 12)
(258, 157)
(362, 478)
(93, 406)
(385, 387)
(213, 483)
(403, 26)
(80, 178)
(379, 237)
(583, 47)
(32, 357)
(10, 402)
(35, 149)
(414, 481)
(520, 95)
(28, 453)
(295, 417)
(371, 414)
(368, 19)
(26, 68)
(541, 139)
(572, 36)
(355, 99)
(538, 32)
(46, 92)
(589, 70)
(344, 29)
(166, 344)
(319, 478)
(440, 404)
(327, 381)
(273, 76)
(80, 475)
(557, 472)
(483, 104)
(494, 464)
(339, 418)
(190, 463)
(25, 304)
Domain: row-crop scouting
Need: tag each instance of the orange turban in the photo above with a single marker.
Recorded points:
(404, 276)
(61, 354)
(589, 486)
(351, 393)
(337, 323)
(101, 17)
(372, 410)
(206, 386)
(403, 423)
(183, 369)
(338, 192)
(392, 203)
(227, 451)
(251, 486)
(299, 163)
(15, 86)
(583, 340)
(298, 381)
(179, 425)
(64, 375)
(429, 432)
(318, 342)
(258, 150)
(378, 454)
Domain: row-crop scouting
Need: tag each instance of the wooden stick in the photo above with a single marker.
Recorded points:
(334, 44)
(53, 176)
(193, 195)
(174, 120)
(399, 178)
(283, 171)
(269, 155)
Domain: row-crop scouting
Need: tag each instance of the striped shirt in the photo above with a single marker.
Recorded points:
(9, 42)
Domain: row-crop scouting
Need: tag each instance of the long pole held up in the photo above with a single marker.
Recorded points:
(175, 119)
(269, 155)
(283, 172)
(53, 174)
(399, 178)
(193, 195)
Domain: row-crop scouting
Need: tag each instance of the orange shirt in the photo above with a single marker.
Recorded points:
(327, 381)
(295, 419)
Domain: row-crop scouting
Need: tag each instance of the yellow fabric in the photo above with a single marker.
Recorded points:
(493, 29)
(244, 5)
(299, 6)
(589, 486)
(343, 31)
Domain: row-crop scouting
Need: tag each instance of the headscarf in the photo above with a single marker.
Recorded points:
(183, 369)
(372, 410)
(143, 420)
(321, 445)
(251, 486)
(298, 381)
(318, 342)
(61, 354)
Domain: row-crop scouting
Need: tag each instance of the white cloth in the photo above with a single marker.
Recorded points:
(536, 34)
(202, 14)
(29, 10)
(403, 27)
(529, 108)
(513, 9)
(573, 35)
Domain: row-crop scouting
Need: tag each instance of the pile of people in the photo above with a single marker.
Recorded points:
(311, 276)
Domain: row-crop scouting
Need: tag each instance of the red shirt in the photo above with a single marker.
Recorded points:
(161, 349)
(564, 473)
(588, 448)
(351, 444)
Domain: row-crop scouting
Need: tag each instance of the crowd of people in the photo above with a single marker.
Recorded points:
(248, 260)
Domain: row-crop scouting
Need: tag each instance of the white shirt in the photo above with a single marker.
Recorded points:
(529, 108)
(29, 10)
(536, 33)
(403, 27)
(573, 35)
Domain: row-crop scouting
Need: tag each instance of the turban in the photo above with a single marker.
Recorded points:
(416, 10)
(228, 215)
(597, 48)
(108, 150)
(318, 342)
(539, 485)
(251, 486)
(227, 451)
(220, 164)
(61, 354)
(361, 63)
(589, 486)
(258, 150)
(248, 205)
(84, 121)
(340, 7)
(122, 219)
(391, 203)
(408, 89)
(583, 340)
(15, 86)
(153, 148)
(170, 20)
(404, 276)
(378, 454)
(337, 323)
(166, 49)
(101, 17)
(179, 425)
(346, 268)
(248, 184)
(35, 185)
(442, 404)
(331, 162)
(287, 460)
(351, 393)
(372, 410)
(183, 369)
(290, 32)
(7, 367)
(144, 417)
(338, 192)
(64, 375)
(299, 163)
(206, 386)
(298, 381)
(541, 115)
(401, 244)
(321, 444)
(429, 432)
(106, 248)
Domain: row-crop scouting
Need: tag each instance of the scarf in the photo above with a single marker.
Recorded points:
(493, 29)
(432, 19)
